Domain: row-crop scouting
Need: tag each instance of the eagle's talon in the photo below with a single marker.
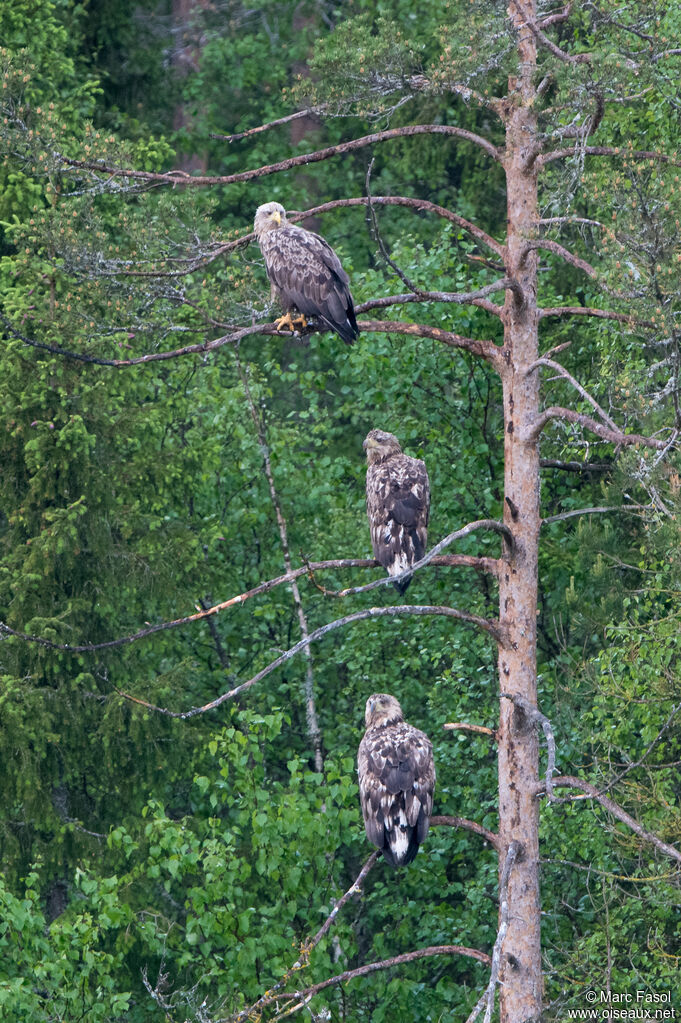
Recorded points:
(284, 321)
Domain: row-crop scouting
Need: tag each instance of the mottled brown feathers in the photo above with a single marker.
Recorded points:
(396, 780)
(305, 272)
(398, 502)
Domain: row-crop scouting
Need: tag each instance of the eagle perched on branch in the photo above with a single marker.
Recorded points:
(396, 780)
(398, 502)
(305, 274)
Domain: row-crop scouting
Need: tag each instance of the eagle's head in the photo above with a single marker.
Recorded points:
(269, 217)
(380, 445)
(382, 710)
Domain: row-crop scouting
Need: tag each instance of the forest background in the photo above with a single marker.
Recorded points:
(158, 868)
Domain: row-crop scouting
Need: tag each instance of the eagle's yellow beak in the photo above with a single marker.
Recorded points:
(276, 215)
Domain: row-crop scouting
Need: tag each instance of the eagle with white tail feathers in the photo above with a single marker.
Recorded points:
(396, 780)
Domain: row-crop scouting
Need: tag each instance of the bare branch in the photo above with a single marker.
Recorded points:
(534, 715)
(558, 368)
(488, 626)
(310, 707)
(466, 825)
(309, 112)
(457, 726)
(583, 310)
(307, 994)
(404, 200)
(604, 432)
(555, 463)
(489, 564)
(552, 19)
(626, 508)
(309, 568)
(175, 178)
(476, 298)
(484, 348)
(591, 792)
(560, 250)
(487, 997)
(566, 58)
(623, 153)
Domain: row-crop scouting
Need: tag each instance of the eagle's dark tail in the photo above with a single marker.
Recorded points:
(348, 331)
(401, 586)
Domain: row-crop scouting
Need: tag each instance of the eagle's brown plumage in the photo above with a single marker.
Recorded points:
(305, 272)
(398, 501)
(396, 780)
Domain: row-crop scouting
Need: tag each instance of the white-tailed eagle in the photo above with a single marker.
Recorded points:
(305, 274)
(398, 502)
(396, 780)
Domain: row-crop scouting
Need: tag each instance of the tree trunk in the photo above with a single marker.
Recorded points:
(520, 968)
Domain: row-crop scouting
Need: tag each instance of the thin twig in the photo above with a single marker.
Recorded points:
(373, 221)
(313, 729)
(464, 726)
(487, 997)
(309, 112)
(626, 509)
(619, 151)
(466, 825)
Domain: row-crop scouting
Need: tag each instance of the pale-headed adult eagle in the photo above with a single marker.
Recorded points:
(398, 501)
(305, 274)
(396, 780)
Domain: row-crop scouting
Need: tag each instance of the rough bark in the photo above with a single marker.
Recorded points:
(520, 967)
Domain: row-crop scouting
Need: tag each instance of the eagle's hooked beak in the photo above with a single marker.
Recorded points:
(276, 215)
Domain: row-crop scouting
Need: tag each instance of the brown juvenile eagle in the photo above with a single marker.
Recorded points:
(398, 501)
(305, 274)
(396, 780)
